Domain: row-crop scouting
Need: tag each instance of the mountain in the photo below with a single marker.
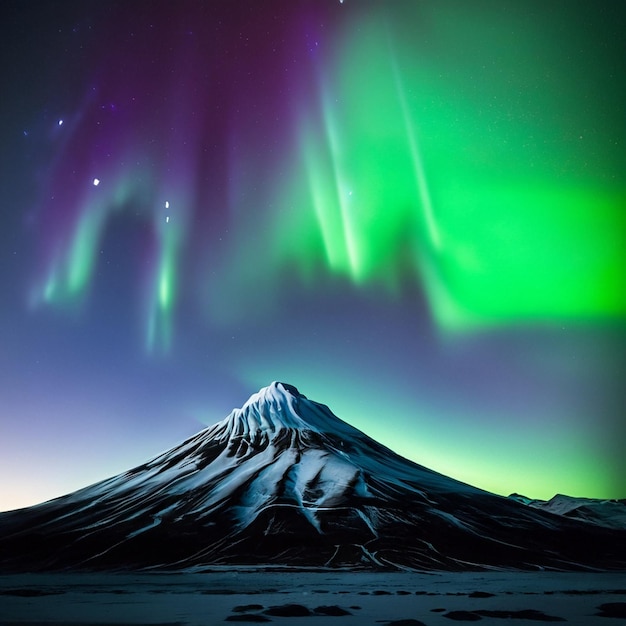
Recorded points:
(283, 481)
(609, 513)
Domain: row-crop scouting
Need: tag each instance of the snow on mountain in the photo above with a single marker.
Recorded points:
(608, 513)
(283, 481)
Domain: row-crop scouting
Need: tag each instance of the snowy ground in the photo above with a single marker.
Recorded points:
(329, 597)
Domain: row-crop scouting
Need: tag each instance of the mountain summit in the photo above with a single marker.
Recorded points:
(283, 481)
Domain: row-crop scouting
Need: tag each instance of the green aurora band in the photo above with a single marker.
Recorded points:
(468, 182)
(72, 274)
(455, 171)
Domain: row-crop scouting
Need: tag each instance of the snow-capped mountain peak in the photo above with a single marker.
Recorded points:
(280, 414)
(271, 410)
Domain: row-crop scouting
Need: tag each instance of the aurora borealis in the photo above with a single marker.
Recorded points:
(414, 211)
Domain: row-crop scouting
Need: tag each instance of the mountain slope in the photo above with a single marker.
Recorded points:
(284, 481)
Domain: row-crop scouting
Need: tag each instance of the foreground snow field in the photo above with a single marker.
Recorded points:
(311, 598)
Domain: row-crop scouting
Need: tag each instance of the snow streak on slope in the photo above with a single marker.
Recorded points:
(284, 481)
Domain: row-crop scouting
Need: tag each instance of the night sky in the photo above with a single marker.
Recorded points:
(413, 211)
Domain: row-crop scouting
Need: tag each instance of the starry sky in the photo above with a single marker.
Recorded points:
(413, 211)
